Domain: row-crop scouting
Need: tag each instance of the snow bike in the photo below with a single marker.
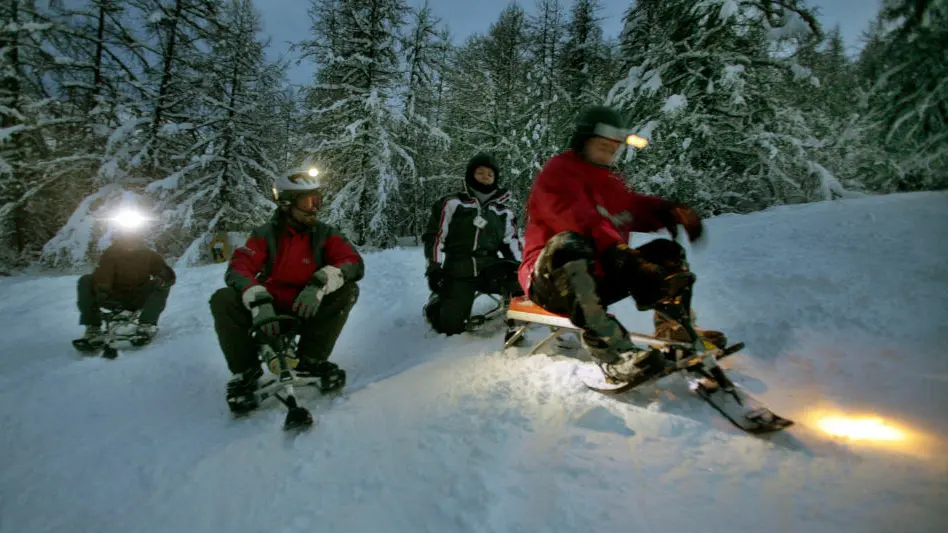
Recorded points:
(279, 355)
(120, 326)
(696, 361)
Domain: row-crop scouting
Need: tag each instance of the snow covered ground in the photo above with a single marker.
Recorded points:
(843, 307)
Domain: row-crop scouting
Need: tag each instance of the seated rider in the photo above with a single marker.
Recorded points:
(471, 245)
(129, 275)
(577, 260)
(293, 264)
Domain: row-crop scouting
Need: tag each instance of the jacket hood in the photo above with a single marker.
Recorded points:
(481, 160)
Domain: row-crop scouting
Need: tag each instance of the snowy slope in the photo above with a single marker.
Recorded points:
(843, 306)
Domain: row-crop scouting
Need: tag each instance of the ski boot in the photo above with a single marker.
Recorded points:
(144, 334)
(331, 377)
(673, 311)
(622, 360)
(91, 341)
(241, 391)
(669, 329)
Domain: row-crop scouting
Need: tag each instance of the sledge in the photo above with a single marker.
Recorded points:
(696, 362)
(477, 321)
(118, 319)
(278, 354)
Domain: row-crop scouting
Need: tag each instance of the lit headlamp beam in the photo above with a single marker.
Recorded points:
(129, 219)
(636, 141)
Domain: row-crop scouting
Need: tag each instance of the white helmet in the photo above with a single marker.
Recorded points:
(289, 186)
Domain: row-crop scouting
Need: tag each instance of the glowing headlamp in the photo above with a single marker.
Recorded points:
(620, 135)
(129, 219)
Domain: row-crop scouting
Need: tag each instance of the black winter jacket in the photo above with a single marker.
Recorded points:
(463, 237)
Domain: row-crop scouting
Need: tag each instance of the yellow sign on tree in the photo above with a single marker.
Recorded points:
(220, 248)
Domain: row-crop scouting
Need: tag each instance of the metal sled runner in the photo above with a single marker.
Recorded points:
(116, 318)
(279, 355)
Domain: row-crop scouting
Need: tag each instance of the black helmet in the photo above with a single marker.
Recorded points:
(601, 121)
(481, 160)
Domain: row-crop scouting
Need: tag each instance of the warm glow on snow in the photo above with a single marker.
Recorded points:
(865, 428)
(313, 172)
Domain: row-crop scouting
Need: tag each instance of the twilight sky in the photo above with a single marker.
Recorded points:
(286, 21)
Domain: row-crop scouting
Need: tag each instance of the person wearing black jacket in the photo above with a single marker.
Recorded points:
(471, 245)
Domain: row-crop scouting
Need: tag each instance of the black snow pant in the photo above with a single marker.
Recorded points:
(318, 335)
(449, 310)
(622, 275)
(150, 299)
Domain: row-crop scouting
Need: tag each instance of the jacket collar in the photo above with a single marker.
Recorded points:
(500, 196)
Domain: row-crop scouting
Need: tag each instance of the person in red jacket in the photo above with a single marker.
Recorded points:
(577, 260)
(293, 264)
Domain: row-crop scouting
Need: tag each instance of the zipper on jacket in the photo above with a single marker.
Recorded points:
(477, 234)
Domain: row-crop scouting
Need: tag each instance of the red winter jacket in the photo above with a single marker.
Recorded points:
(284, 259)
(570, 194)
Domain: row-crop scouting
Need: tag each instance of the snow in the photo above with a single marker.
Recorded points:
(675, 103)
(794, 27)
(842, 305)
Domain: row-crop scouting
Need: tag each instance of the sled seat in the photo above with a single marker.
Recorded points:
(524, 310)
(524, 313)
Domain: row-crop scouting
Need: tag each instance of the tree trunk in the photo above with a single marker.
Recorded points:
(168, 62)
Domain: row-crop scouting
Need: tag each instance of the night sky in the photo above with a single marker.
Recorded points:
(287, 20)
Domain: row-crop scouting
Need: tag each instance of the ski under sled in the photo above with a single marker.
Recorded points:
(696, 361)
(114, 318)
(279, 355)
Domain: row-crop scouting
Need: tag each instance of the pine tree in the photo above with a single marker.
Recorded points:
(29, 114)
(225, 185)
(96, 76)
(490, 99)
(352, 119)
(910, 82)
(707, 94)
(583, 58)
(426, 49)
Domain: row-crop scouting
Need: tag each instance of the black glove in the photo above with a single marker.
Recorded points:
(671, 214)
(435, 278)
(622, 259)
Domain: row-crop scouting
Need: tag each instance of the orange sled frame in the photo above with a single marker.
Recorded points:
(523, 313)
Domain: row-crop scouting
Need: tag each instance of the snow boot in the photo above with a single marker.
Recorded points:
(603, 335)
(144, 334)
(666, 328)
(635, 365)
(91, 340)
(240, 391)
(331, 377)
